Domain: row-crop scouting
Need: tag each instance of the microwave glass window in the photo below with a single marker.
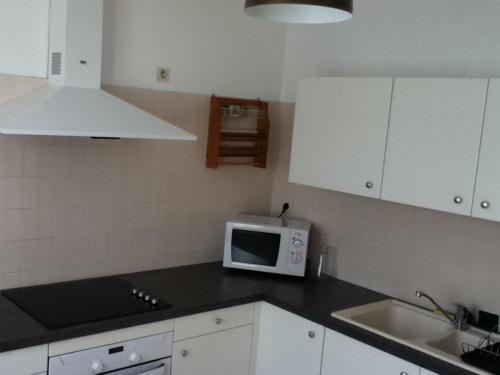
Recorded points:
(255, 247)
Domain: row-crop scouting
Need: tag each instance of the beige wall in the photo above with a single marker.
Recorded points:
(393, 248)
(398, 38)
(75, 208)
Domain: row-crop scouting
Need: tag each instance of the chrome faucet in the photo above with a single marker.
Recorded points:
(460, 319)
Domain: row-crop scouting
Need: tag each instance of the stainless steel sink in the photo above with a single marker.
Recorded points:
(415, 327)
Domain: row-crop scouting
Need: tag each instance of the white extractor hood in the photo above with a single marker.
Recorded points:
(73, 103)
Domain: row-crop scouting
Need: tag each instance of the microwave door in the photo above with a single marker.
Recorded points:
(255, 248)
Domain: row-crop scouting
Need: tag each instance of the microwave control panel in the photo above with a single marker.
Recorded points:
(297, 253)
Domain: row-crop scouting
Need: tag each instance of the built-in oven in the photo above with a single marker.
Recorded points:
(150, 355)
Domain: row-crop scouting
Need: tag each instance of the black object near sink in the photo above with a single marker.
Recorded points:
(72, 303)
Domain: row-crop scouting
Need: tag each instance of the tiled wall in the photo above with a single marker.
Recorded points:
(74, 208)
(393, 248)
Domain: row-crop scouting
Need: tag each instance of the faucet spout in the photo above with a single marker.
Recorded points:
(459, 323)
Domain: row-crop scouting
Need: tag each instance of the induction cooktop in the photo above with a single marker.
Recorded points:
(86, 301)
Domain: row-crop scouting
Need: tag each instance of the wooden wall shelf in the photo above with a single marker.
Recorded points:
(238, 132)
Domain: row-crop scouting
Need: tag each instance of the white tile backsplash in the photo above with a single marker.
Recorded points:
(73, 207)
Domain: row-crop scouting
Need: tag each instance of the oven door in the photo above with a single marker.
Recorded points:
(254, 247)
(161, 367)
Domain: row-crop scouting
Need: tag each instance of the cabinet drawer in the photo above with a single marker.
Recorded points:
(24, 361)
(111, 337)
(213, 321)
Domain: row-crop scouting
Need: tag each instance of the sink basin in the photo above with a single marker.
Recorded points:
(415, 327)
(398, 319)
(454, 341)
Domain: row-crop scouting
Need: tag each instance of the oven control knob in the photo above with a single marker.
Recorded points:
(297, 243)
(140, 294)
(155, 301)
(147, 297)
(135, 291)
(134, 358)
(96, 367)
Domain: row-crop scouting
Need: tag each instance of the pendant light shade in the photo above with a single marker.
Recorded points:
(301, 11)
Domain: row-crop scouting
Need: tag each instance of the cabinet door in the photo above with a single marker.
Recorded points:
(343, 355)
(487, 194)
(222, 353)
(340, 134)
(423, 371)
(433, 143)
(287, 344)
(24, 361)
(213, 321)
(24, 37)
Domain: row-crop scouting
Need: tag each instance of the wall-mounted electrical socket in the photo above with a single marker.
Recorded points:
(163, 74)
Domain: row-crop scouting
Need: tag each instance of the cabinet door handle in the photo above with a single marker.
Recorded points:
(184, 353)
(369, 185)
(458, 199)
(485, 205)
(312, 334)
(403, 373)
(218, 321)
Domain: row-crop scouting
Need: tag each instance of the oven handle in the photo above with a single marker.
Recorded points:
(161, 369)
(157, 371)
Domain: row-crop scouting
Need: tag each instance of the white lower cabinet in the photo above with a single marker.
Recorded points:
(252, 339)
(222, 353)
(287, 344)
(345, 356)
(25, 361)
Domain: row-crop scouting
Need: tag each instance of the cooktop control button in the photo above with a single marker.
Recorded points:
(135, 291)
(155, 301)
(147, 297)
(96, 367)
(134, 358)
(140, 294)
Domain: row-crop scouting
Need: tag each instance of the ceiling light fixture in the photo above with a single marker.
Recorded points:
(301, 11)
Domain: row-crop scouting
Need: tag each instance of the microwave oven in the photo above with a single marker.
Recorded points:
(267, 244)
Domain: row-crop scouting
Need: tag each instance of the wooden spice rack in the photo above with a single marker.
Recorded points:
(238, 132)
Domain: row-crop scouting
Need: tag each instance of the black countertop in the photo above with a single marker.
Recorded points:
(199, 288)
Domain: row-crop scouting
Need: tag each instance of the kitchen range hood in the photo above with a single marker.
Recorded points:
(73, 103)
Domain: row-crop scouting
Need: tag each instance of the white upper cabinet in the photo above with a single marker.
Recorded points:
(24, 37)
(487, 195)
(426, 372)
(433, 143)
(340, 134)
